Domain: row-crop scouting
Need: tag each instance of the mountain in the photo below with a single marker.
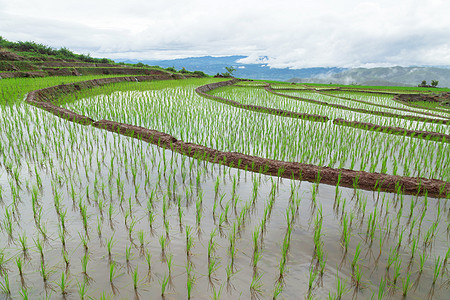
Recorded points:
(399, 76)
(213, 65)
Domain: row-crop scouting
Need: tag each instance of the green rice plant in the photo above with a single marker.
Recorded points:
(406, 285)
(164, 282)
(381, 288)
(229, 271)
(43, 272)
(135, 278)
(39, 246)
(5, 288)
(397, 270)
(112, 271)
(437, 269)
(169, 264)
(66, 259)
(162, 242)
(256, 285)
(190, 279)
(422, 259)
(63, 284)
(24, 293)
(84, 241)
(141, 238)
(19, 264)
(148, 258)
(82, 290)
(189, 240)
(84, 263)
(341, 288)
(213, 265)
(99, 227)
(357, 276)
(312, 277)
(278, 289)
(109, 244)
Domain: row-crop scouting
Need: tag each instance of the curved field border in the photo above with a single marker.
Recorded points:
(299, 171)
(433, 136)
(204, 89)
(383, 106)
(361, 110)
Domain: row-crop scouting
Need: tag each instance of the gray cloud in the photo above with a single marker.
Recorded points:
(291, 34)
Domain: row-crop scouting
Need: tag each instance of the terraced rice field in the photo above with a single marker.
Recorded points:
(88, 212)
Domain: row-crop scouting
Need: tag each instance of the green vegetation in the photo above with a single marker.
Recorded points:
(78, 202)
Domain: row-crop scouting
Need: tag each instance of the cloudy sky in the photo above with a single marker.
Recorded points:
(295, 34)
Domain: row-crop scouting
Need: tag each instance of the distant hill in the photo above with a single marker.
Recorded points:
(213, 65)
(398, 76)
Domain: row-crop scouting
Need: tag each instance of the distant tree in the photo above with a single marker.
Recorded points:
(434, 83)
(423, 83)
(230, 70)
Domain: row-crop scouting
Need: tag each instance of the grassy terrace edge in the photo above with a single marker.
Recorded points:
(292, 170)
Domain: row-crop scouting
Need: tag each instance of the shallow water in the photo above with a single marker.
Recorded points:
(105, 168)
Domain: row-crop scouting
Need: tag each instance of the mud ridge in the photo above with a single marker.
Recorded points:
(361, 110)
(292, 170)
(204, 89)
(434, 136)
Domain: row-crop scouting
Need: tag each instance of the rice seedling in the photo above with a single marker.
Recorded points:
(189, 240)
(406, 285)
(148, 259)
(162, 242)
(112, 271)
(5, 287)
(381, 288)
(256, 285)
(164, 282)
(19, 264)
(190, 279)
(43, 272)
(109, 244)
(82, 289)
(135, 278)
(63, 284)
(437, 269)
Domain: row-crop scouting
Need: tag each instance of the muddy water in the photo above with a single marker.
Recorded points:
(106, 169)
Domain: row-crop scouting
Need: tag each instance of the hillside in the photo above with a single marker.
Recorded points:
(29, 59)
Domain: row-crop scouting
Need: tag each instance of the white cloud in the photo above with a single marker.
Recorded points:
(290, 34)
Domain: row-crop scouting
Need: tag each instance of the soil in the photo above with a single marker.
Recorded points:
(423, 98)
(344, 177)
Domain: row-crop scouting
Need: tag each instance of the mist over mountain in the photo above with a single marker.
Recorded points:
(383, 76)
(213, 65)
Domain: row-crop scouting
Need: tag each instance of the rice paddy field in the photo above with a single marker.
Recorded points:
(91, 214)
